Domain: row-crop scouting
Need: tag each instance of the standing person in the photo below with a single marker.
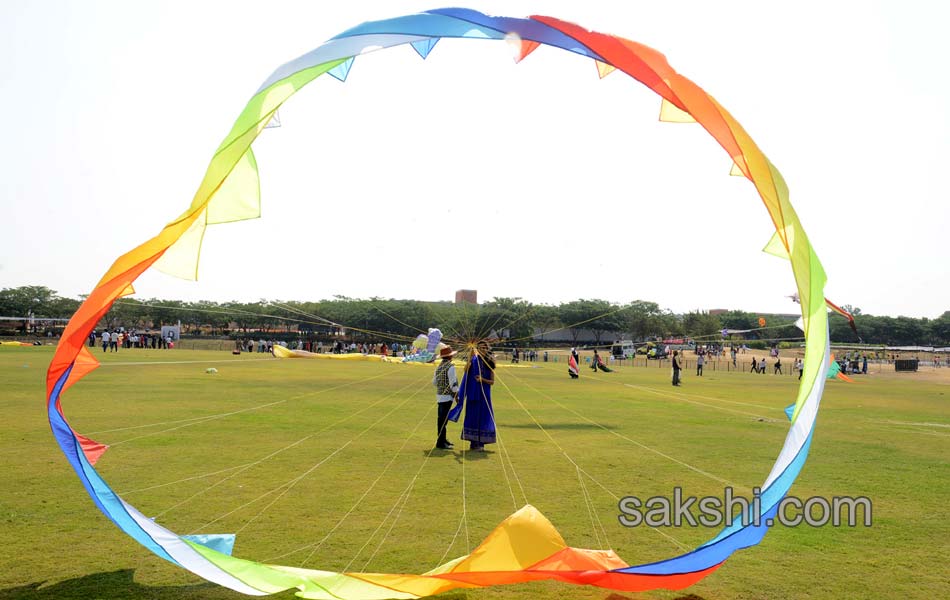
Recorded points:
(755, 366)
(593, 362)
(105, 340)
(446, 385)
(864, 365)
(734, 357)
(699, 365)
(778, 366)
(676, 367)
(799, 366)
(572, 364)
(479, 425)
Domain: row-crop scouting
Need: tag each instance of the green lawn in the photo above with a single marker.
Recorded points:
(280, 451)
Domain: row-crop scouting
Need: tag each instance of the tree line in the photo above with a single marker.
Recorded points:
(515, 319)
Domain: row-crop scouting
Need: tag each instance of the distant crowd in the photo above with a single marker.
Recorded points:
(114, 339)
(339, 347)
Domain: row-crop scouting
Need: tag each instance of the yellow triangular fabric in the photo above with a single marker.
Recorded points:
(670, 113)
(181, 258)
(521, 540)
(603, 69)
(239, 197)
(775, 247)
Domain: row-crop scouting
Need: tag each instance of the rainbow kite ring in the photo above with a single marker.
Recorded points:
(525, 546)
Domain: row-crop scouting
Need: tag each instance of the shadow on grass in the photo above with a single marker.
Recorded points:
(686, 597)
(119, 584)
(455, 454)
(566, 426)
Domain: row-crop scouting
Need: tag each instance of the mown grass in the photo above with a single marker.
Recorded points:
(325, 438)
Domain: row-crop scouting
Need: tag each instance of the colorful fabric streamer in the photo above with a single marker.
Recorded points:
(525, 547)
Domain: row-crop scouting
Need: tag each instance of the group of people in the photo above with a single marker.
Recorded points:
(365, 348)
(113, 339)
(527, 355)
(472, 394)
(854, 364)
(760, 366)
(596, 362)
(339, 347)
(261, 345)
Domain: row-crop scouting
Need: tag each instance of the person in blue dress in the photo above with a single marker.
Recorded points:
(479, 425)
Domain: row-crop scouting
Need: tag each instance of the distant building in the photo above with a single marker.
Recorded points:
(470, 296)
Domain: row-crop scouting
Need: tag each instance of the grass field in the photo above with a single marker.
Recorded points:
(280, 451)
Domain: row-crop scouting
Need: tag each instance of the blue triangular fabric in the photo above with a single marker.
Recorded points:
(220, 542)
(789, 411)
(424, 47)
(342, 70)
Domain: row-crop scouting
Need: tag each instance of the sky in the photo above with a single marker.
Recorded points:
(536, 180)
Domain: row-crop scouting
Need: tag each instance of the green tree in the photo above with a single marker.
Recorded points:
(21, 301)
(507, 317)
(589, 314)
(940, 329)
(645, 319)
(701, 324)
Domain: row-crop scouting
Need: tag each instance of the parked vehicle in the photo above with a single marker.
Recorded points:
(625, 349)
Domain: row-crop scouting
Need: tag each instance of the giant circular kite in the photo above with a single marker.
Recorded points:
(525, 546)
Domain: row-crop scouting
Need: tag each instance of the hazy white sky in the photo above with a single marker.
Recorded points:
(396, 182)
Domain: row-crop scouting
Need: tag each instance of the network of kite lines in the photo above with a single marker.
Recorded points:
(525, 546)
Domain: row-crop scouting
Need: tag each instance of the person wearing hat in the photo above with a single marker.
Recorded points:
(446, 385)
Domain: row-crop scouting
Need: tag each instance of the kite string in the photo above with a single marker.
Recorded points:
(590, 508)
(463, 520)
(683, 398)
(571, 326)
(468, 543)
(504, 450)
(590, 500)
(246, 465)
(571, 460)
(631, 440)
(184, 480)
(493, 327)
(224, 311)
(200, 420)
(314, 547)
(285, 448)
(294, 482)
(382, 334)
(404, 497)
